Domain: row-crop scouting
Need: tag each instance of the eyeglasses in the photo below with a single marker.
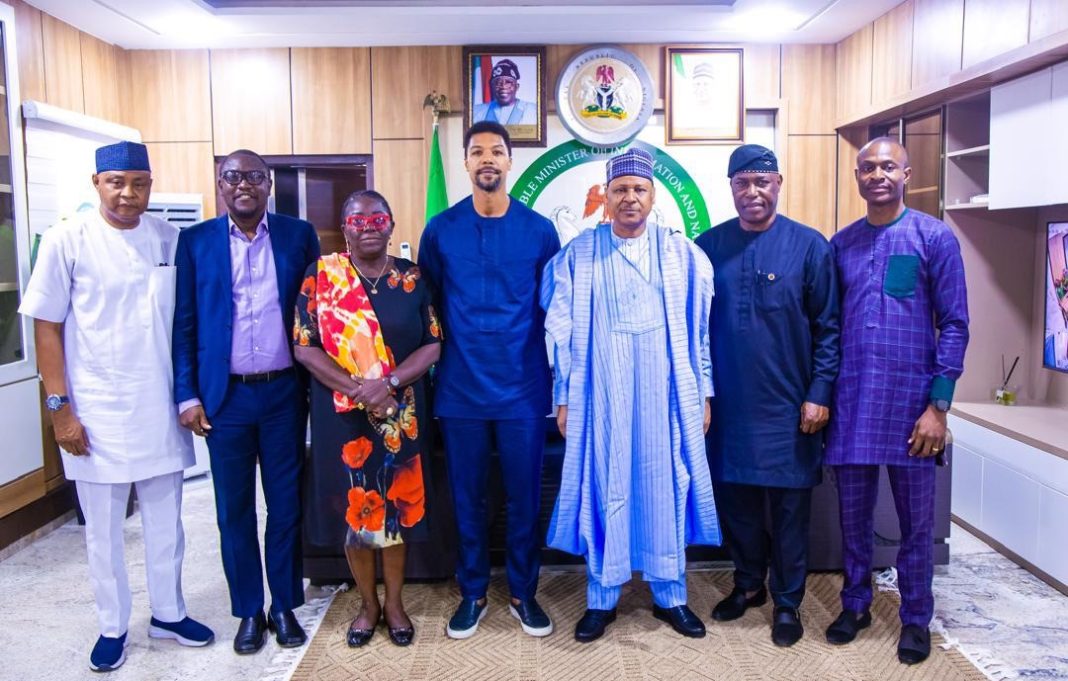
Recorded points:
(375, 222)
(253, 177)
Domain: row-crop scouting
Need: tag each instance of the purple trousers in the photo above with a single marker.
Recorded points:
(913, 488)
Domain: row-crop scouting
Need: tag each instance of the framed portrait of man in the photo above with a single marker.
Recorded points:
(703, 98)
(506, 84)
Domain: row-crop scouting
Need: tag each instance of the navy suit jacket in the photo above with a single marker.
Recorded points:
(203, 312)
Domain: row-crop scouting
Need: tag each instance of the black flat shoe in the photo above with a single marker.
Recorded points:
(736, 603)
(592, 625)
(786, 628)
(288, 631)
(357, 637)
(251, 634)
(914, 646)
(845, 628)
(681, 619)
(402, 636)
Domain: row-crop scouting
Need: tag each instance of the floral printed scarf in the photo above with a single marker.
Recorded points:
(348, 326)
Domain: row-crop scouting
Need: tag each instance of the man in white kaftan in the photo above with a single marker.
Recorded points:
(627, 308)
(102, 299)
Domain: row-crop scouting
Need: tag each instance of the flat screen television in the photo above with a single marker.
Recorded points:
(1055, 350)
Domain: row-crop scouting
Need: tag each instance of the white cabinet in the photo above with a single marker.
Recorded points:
(1011, 491)
(1020, 115)
(1027, 117)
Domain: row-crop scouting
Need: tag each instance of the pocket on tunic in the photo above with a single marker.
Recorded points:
(901, 275)
(772, 291)
(635, 314)
(160, 298)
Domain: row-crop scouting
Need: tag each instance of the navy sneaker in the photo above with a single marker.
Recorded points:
(187, 632)
(464, 622)
(108, 654)
(534, 620)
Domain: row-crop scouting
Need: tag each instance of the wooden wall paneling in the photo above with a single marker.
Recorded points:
(400, 176)
(1047, 17)
(445, 69)
(937, 39)
(184, 167)
(169, 99)
(62, 64)
(556, 56)
(810, 165)
(399, 83)
(992, 27)
(808, 83)
(761, 69)
(891, 70)
(653, 58)
(251, 101)
(850, 206)
(104, 79)
(30, 44)
(331, 100)
(854, 68)
(21, 491)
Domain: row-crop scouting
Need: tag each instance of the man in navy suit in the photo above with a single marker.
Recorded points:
(236, 385)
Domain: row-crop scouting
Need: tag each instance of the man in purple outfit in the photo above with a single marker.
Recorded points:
(902, 280)
(236, 386)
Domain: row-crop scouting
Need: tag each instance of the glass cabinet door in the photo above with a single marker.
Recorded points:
(16, 357)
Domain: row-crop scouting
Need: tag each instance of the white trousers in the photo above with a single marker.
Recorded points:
(104, 508)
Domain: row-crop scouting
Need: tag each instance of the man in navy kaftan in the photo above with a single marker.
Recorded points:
(775, 357)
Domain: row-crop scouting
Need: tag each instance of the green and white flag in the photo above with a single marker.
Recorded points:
(437, 199)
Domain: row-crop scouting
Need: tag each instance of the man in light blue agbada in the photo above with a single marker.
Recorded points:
(627, 307)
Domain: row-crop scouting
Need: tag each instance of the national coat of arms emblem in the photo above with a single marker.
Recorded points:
(604, 96)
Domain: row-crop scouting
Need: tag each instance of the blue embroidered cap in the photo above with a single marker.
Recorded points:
(634, 161)
(505, 67)
(122, 156)
(752, 158)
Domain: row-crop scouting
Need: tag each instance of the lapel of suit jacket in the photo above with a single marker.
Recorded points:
(219, 253)
(280, 247)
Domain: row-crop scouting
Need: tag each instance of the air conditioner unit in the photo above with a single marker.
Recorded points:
(181, 210)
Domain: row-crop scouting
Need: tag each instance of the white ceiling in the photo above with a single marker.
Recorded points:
(173, 24)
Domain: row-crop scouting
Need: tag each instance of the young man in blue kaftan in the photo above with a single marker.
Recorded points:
(775, 356)
(904, 332)
(627, 308)
(484, 258)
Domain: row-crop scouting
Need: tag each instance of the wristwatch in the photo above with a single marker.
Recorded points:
(56, 402)
(941, 405)
(394, 382)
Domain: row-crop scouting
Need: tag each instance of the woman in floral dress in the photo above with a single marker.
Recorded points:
(366, 331)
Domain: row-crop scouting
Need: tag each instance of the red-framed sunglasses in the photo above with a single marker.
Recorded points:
(375, 222)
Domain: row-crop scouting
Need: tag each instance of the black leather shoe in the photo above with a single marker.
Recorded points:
(592, 625)
(786, 628)
(288, 631)
(681, 619)
(356, 637)
(402, 636)
(734, 605)
(251, 634)
(914, 645)
(844, 629)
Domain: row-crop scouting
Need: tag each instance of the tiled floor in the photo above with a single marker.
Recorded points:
(996, 612)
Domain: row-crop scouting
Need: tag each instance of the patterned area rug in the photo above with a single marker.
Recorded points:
(636, 646)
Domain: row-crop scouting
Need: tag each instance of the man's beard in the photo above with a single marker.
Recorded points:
(490, 184)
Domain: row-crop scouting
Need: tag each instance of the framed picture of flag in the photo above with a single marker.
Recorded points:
(703, 97)
(506, 84)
